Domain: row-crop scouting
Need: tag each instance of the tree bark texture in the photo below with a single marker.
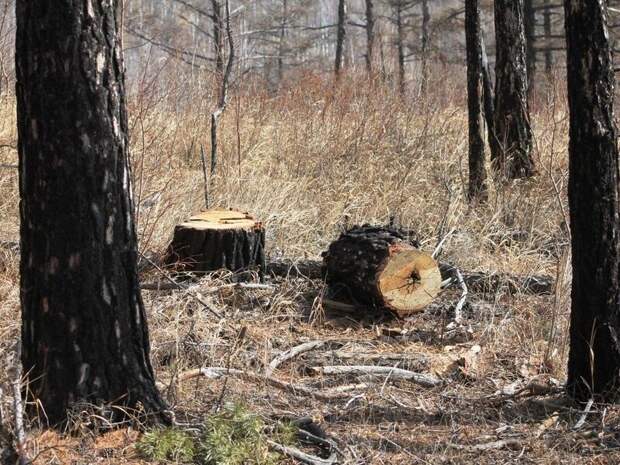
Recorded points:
(218, 37)
(370, 34)
(84, 329)
(378, 266)
(529, 23)
(594, 358)
(512, 124)
(426, 39)
(477, 173)
(341, 32)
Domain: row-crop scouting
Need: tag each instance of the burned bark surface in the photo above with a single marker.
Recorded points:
(84, 329)
(594, 358)
(511, 118)
(477, 173)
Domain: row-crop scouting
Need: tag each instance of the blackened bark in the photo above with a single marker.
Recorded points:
(547, 31)
(218, 37)
(84, 329)
(594, 358)
(426, 39)
(477, 173)
(400, 47)
(341, 32)
(512, 125)
(529, 19)
(370, 34)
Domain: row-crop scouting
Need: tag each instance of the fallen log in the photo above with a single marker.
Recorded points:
(421, 379)
(380, 267)
(218, 239)
(411, 361)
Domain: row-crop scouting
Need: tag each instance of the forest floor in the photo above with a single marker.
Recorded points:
(307, 162)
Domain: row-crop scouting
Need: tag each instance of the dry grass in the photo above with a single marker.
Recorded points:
(306, 161)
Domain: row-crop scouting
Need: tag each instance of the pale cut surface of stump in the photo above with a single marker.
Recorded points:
(218, 239)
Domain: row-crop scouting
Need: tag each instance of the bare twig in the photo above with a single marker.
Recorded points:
(292, 353)
(459, 306)
(394, 373)
(18, 407)
(302, 456)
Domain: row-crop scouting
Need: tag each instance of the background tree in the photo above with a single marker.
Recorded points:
(594, 358)
(477, 172)
(370, 34)
(342, 18)
(84, 329)
(511, 118)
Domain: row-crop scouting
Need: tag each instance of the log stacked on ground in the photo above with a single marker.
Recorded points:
(379, 266)
(218, 239)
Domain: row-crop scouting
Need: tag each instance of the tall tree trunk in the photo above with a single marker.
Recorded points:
(400, 46)
(488, 92)
(218, 37)
(594, 359)
(370, 34)
(529, 20)
(342, 18)
(84, 329)
(547, 30)
(477, 173)
(426, 38)
(512, 125)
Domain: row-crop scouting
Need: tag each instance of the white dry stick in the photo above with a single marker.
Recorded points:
(459, 306)
(18, 407)
(425, 380)
(292, 353)
(439, 246)
(302, 456)
(584, 415)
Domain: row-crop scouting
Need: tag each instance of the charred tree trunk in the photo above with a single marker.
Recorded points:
(400, 46)
(378, 266)
(594, 359)
(477, 173)
(218, 239)
(488, 93)
(512, 123)
(341, 32)
(84, 329)
(426, 39)
(370, 34)
(218, 37)
(529, 20)
(547, 31)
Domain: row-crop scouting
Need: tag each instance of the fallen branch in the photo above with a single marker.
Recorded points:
(393, 373)
(302, 456)
(458, 310)
(218, 372)
(413, 362)
(167, 286)
(292, 353)
(504, 443)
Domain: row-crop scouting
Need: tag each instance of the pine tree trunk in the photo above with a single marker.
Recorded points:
(342, 14)
(594, 358)
(84, 329)
(512, 124)
(378, 266)
(529, 19)
(477, 173)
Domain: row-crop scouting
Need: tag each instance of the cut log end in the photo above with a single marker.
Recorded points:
(409, 280)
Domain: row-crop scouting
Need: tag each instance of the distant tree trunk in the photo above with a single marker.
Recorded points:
(400, 46)
(512, 125)
(547, 29)
(594, 359)
(342, 18)
(282, 39)
(529, 20)
(370, 34)
(426, 38)
(84, 329)
(477, 173)
(218, 37)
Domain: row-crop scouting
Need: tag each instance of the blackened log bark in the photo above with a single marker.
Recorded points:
(529, 19)
(84, 329)
(341, 32)
(547, 32)
(477, 173)
(594, 358)
(370, 34)
(218, 37)
(512, 124)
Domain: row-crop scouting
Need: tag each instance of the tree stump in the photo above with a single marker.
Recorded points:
(379, 266)
(218, 239)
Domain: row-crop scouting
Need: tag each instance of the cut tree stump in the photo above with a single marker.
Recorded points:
(218, 239)
(379, 266)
